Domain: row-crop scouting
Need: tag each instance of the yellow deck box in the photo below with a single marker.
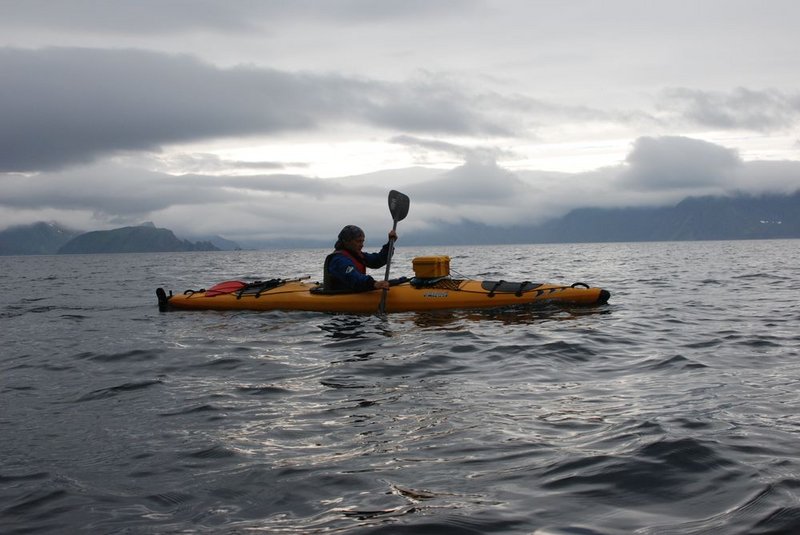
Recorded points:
(431, 267)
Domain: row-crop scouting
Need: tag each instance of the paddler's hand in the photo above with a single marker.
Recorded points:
(392, 235)
(381, 285)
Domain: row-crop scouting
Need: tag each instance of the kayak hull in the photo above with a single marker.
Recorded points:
(405, 297)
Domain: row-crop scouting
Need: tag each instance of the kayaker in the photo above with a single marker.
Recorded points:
(346, 267)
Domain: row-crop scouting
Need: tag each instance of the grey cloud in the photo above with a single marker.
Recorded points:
(169, 16)
(275, 183)
(212, 163)
(361, 11)
(543, 109)
(474, 183)
(658, 171)
(107, 191)
(677, 162)
(112, 191)
(782, 176)
(428, 104)
(765, 110)
(485, 154)
(142, 16)
(64, 106)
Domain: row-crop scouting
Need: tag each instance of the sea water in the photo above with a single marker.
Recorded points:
(673, 409)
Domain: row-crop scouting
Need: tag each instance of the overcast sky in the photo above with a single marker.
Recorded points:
(255, 118)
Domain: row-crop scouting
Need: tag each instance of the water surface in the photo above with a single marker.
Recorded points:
(673, 409)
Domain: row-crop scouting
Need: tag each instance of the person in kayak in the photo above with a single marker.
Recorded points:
(346, 267)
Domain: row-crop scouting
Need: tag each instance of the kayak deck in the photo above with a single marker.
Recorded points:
(443, 294)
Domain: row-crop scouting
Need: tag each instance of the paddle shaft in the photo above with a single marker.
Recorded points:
(382, 306)
(398, 207)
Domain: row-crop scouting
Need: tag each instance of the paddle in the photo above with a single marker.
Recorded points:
(398, 207)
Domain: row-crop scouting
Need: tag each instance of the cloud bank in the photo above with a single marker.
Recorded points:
(657, 171)
(71, 106)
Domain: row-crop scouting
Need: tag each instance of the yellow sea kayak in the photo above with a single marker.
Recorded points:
(414, 295)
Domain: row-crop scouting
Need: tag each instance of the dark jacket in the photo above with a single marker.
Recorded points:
(346, 271)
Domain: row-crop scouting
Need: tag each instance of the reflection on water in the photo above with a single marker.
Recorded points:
(523, 315)
(354, 327)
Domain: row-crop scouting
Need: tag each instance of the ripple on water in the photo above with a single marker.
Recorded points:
(118, 390)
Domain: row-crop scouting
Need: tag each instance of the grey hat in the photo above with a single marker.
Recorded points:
(350, 232)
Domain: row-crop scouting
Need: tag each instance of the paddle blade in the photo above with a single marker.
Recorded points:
(398, 205)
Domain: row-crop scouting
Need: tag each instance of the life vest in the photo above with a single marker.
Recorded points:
(329, 283)
(357, 261)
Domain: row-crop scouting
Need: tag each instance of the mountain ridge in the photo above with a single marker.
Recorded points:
(768, 216)
(739, 217)
(140, 239)
(37, 238)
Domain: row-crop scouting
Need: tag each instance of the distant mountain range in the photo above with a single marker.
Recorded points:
(38, 238)
(695, 218)
(51, 238)
(142, 239)
(739, 217)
